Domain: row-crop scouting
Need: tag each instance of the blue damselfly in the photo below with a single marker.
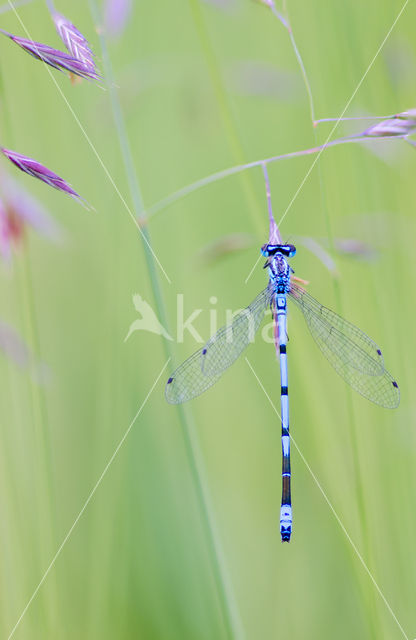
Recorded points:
(351, 352)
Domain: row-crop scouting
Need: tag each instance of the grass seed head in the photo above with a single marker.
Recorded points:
(55, 58)
(37, 170)
(402, 124)
(76, 43)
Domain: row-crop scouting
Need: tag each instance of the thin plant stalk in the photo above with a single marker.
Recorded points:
(299, 59)
(194, 454)
(274, 231)
(225, 173)
(352, 118)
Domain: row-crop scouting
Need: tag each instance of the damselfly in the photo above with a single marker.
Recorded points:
(351, 352)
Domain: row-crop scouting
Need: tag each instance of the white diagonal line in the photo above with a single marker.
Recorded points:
(6, 7)
(343, 112)
(86, 503)
(252, 270)
(338, 519)
(93, 148)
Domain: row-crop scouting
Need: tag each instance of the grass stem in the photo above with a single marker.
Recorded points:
(194, 455)
(225, 173)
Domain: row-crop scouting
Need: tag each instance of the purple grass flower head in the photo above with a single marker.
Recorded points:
(39, 171)
(402, 124)
(116, 15)
(75, 42)
(407, 115)
(55, 58)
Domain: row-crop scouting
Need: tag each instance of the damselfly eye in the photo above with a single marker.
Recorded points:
(288, 250)
(269, 249)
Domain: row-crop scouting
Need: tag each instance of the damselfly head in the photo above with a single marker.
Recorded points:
(288, 250)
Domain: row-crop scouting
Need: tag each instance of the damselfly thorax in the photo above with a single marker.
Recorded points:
(278, 266)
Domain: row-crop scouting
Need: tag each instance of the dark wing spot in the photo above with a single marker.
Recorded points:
(395, 384)
(379, 352)
(204, 352)
(170, 380)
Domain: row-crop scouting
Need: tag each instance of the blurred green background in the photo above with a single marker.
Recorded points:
(181, 537)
